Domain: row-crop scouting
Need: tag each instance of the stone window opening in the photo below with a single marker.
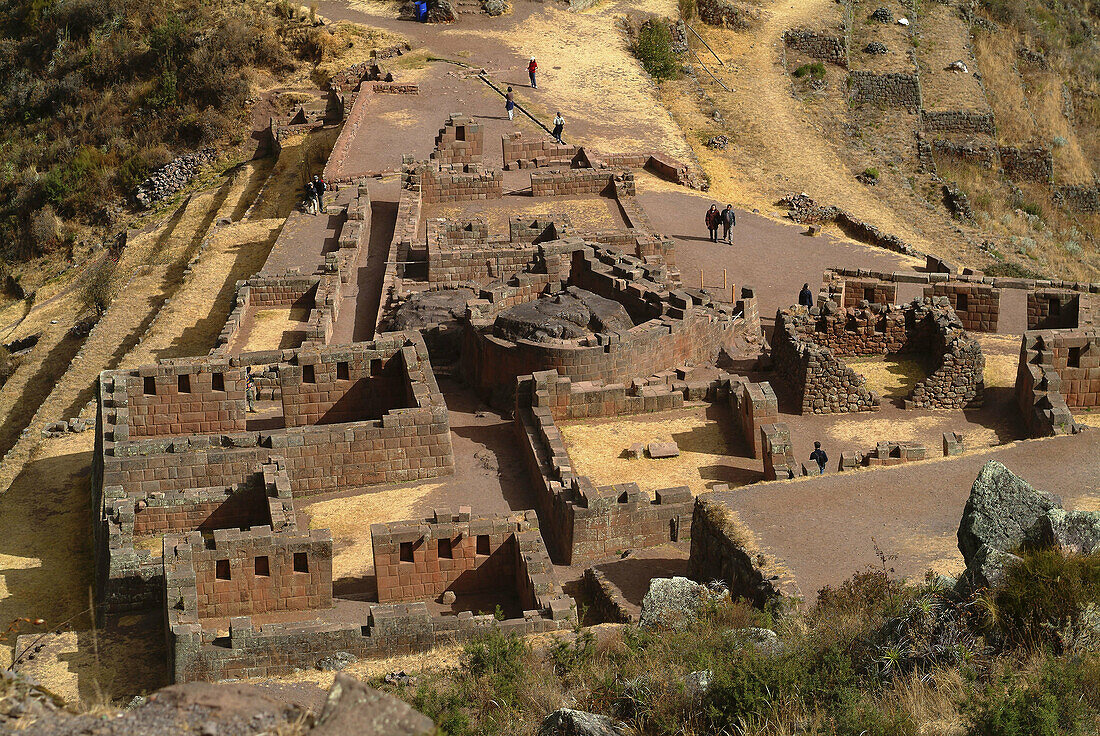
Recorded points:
(1074, 358)
(217, 382)
(446, 552)
(460, 132)
(869, 294)
(183, 383)
(962, 303)
(221, 569)
(149, 387)
(308, 376)
(406, 551)
(1055, 307)
(376, 367)
(301, 562)
(343, 371)
(263, 566)
(483, 545)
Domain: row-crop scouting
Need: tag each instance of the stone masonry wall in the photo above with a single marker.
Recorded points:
(414, 560)
(1045, 358)
(1052, 309)
(1030, 164)
(523, 154)
(459, 141)
(963, 122)
(977, 305)
(180, 398)
(1080, 197)
(575, 182)
(720, 551)
(753, 404)
(887, 90)
(818, 45)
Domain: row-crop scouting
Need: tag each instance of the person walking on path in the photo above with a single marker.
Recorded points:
(729, 220)
(249, 390)
(510, 103)
(819, 457)
(805, 297)
(559, 126)
(713, 219)
(531, 69)
(311, 198)
(320, 186)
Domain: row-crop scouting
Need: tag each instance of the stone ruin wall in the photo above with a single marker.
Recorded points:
(579, 520)
(520, 153)
(721, 551)
(1048, 371)
(978, 306)
(961, 122)
(807, 348)
(818, 45)
(359, 629)
(892, 90)
(1028, 164)
(1082, 198)
(820, 382)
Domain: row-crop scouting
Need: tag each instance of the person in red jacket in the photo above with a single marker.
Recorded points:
(531, 69)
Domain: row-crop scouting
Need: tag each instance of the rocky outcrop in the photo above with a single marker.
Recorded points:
(1004, 513)
(675, 602)
(569, 722)
(571, 314)
(725, 14)
(173, 176)
(354, 708)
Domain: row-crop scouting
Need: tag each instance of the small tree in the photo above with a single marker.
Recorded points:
(98, 288)
(653, 48)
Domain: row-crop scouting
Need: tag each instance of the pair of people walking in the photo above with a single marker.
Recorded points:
(725, 219)
(315, 195)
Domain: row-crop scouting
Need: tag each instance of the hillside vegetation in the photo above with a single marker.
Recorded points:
(95, 95)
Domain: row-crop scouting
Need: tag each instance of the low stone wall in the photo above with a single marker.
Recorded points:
(979, 152)
(753, 405)
(459, 141)
(575, 182)
(727, 14)
(523, 154)
(777, 452)
(964, 122)
(454, 182)
(720, 551)
(978, 306)
(1029, 164)
(884, 453)
(1053, 309)
(818, 45)
(886, 90)
(1079, 197)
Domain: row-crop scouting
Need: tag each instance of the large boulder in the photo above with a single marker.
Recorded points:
(352, 707)
(569, 722)
(1076, 532)
(1002, 511)
(675, 602)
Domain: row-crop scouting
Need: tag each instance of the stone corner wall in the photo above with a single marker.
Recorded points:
(818, 45)
(723, 552)
(893, 90)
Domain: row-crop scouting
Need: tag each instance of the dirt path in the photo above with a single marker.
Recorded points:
(823, 529)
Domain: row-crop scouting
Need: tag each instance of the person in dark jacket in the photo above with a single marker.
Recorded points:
(729, 221)
(320, 186)
(805, 297)
(819, 457)
(713, 219)
(559, 126)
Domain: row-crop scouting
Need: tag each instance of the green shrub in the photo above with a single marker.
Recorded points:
(1061, 699)
(1042, 598)
(815, 70)
(871, 173)
(653, 47)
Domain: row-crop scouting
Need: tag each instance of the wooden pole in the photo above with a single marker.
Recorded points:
(716, 56)
(723, 279)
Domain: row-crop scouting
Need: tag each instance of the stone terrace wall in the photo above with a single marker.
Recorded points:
(720, 551)
(978, 306)
(886, 90)
(964, 122)
(414, 560)
(1044, 360)
(1030, 164)
(579, 520)
(247, 573)
(1080, 197)
(818, 45)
